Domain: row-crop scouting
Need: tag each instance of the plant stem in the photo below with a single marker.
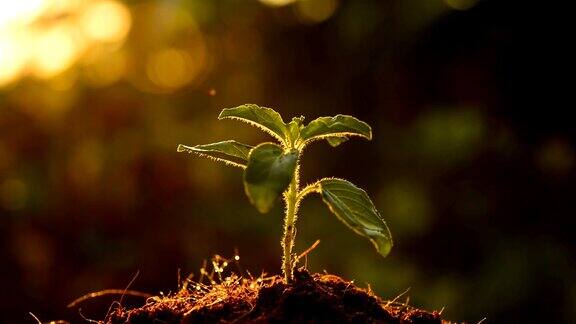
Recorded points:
(291, 200)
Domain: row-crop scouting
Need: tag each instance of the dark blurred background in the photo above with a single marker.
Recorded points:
(472, 162)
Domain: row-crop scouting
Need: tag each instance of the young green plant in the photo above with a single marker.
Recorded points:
(272, 170)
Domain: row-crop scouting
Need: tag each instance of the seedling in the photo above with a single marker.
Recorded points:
(272, 170)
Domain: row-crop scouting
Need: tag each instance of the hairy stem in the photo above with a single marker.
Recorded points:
(291, 200)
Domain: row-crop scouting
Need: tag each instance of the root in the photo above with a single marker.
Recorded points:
(305, 253)
(107, 292)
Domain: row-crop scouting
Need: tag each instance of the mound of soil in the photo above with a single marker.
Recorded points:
(317, 298)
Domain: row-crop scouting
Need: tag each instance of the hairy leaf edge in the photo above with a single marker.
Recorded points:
(255, 124)
(305, 143)
(203, 153)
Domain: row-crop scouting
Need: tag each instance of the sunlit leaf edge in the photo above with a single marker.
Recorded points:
(367, 134)
(202, 151)
(226, 113)
(384, 248)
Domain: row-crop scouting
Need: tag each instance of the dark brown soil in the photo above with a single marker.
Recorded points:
(314, 298)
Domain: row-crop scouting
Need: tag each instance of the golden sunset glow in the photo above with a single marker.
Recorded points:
(21, 12)
(54, 51)
(316, 11)
(12, 58)
(106, 21)
(277, 3)
(41, 38)
(170, 68)
(106, 70)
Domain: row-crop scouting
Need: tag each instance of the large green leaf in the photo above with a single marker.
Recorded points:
(337, 126)
(264, 118)
(221, 151)
(268, 174)
(355, 209)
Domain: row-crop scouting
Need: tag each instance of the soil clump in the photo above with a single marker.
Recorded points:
(316, 298)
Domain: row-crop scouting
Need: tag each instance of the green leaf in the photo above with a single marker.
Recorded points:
(355, 209)
(268, 174)
(264, 118)
(337, 126)
(294, 128)
(221, 151)
(335, 141)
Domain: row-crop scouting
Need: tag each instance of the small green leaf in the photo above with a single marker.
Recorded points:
(355, 209)
(335, 141)
(268, 174)
(337, 126)
(216, 151)
(294, 128)
(264, 118)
